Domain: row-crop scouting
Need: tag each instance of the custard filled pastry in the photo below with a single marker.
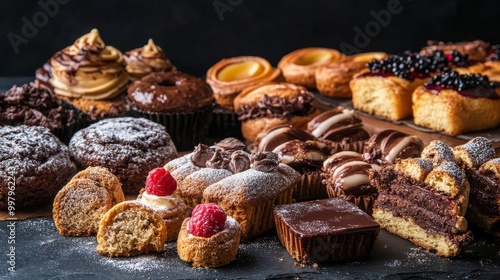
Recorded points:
(299, 67)
(333, 79)
(229, 77)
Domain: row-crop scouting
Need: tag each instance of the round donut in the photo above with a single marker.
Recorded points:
(170, 92)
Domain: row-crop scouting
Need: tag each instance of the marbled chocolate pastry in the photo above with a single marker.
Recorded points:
(456, 103)
(142, 61)
(389, 145)
(477, 50)
(346, 176)
(267, 140)
(424, 203)
(306, 157)
(230, 76)
(299, 67)
(130, 228)
(80, 205)
(483, 173)
(264, 106)
(333, 79)
(91, 76)
(341, 127)
(250, 196)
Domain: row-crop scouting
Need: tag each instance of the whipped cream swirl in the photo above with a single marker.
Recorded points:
(160, 203)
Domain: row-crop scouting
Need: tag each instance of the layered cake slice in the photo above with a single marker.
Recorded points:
(483, 173)
(325, 230)
(424, 203)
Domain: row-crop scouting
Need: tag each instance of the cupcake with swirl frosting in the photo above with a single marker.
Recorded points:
(142, 61)
(90, 75)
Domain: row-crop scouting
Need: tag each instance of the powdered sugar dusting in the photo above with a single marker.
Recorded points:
(479, 149)
(438, 151)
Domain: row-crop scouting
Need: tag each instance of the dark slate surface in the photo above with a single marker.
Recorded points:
(41, 253)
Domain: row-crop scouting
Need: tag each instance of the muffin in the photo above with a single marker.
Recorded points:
(35, 162)
(264, 106)
(180, 102)
(128, 147)
(209, 238)
(89, 75)
(34, 105)
(142, 61)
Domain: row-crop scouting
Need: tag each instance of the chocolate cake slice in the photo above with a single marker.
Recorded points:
(483, 173)
(424, 203)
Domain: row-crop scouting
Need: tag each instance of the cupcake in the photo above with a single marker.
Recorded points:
(89, 75)
(142, 61)
(341, 128)
(34, 105)
(160, 195)
(180, 102)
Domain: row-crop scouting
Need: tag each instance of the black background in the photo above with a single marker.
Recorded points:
(195, 35)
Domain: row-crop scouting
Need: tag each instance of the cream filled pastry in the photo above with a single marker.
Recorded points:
(89, 69)
(149, 58)
(160, 195)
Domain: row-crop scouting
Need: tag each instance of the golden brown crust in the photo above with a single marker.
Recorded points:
(388, 97)
(105, 179)
(299, 66)
(454, 113)
(79, 207)
(217, 250)
(333, 79)
(130, 228)
(226, 91)
(477, 50)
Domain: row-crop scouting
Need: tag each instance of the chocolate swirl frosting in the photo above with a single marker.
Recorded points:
(264, 161)
(89, 69)
(230, 145)
(142, 61)
(227, 154)
(201, 154)
(239, 162)
(219, 160)
(278, 107)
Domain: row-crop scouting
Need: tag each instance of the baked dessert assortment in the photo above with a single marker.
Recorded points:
(456, 103)
(325, 230)
(80, 205)
(424, 200)
(34, 166)
(346, 176)
(333, 79)
(91, 76)
(128, 147)
(299, 67)
(209, 238)
(180, 102)
(130, 228)
(490, 67)
(160, 195)
(264, 106)
(477, 157)
(32, 104)
(142, 61)
(476, 50)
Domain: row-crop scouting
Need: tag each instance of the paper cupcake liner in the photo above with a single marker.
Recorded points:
(363, 202)
(325, 248)
(225, 123)
(310, 187)
(186, 129)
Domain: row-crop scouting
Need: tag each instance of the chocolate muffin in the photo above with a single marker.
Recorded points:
(34, 105)
(128, 147)
(34, 165)
(180, 102)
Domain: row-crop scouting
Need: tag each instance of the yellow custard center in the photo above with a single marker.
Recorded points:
(240, 71)
(367, 57)
(314, 57)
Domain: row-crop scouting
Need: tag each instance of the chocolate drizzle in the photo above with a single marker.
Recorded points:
(278, 107)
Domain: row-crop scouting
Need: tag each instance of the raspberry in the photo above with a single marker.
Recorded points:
(159, 182)
(207, 220)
